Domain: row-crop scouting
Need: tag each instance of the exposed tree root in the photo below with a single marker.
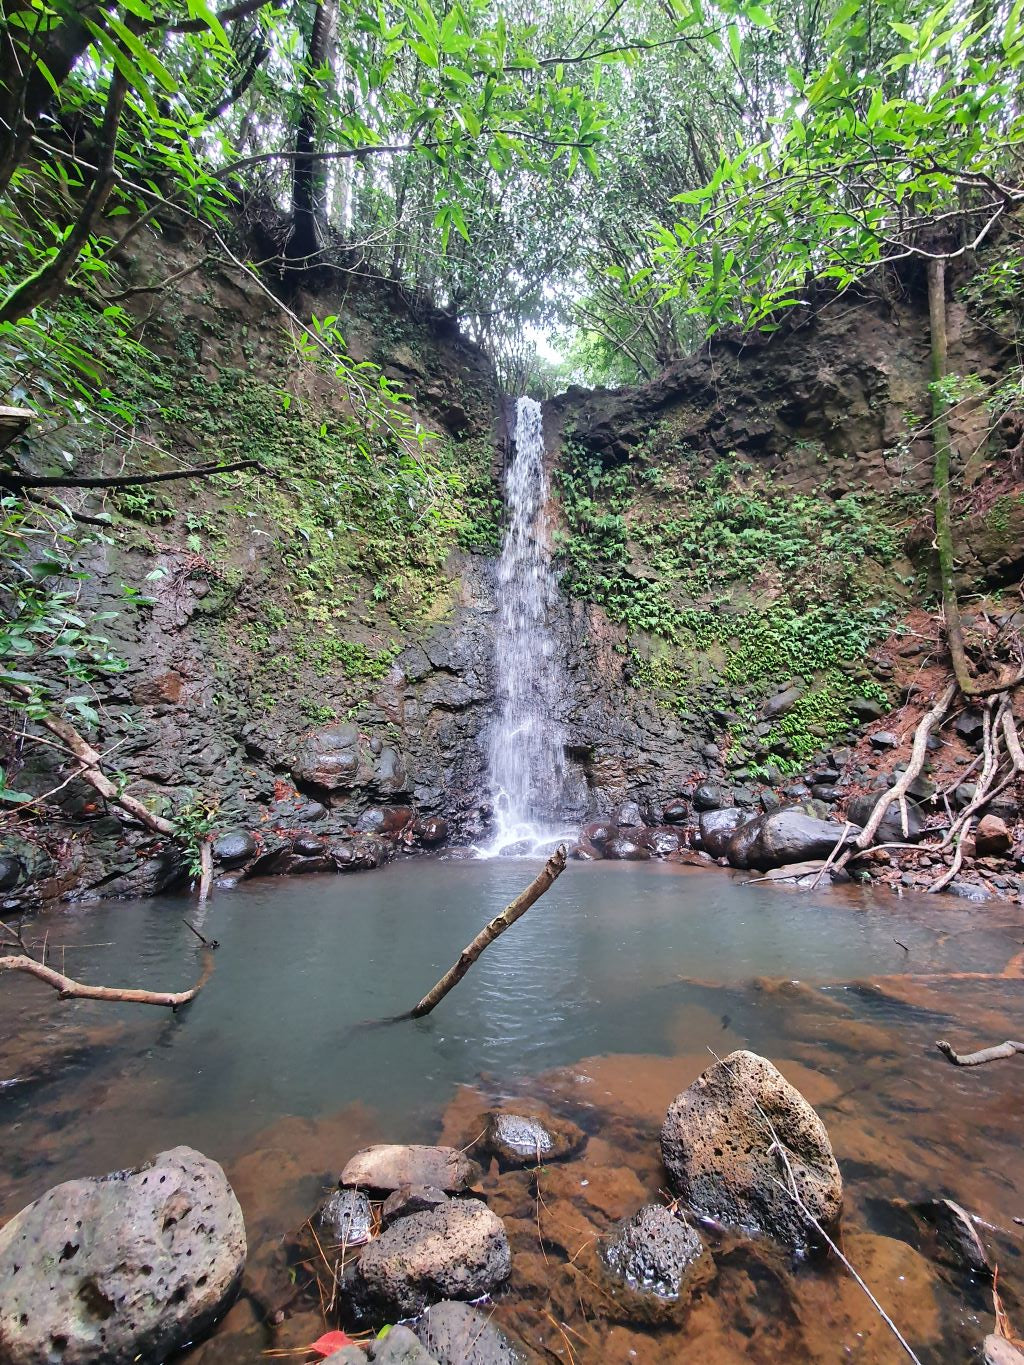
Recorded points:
(986, 1054)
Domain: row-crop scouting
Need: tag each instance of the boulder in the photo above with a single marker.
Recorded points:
(386, 820)
(970, 725)
(599, 832)
(628, 816)
(782, 702)
(344, 1218)
(718, 1143)
(329, 758)
(717, 828)
(967, 891)
(858, 812)
(456, 1334)
(661, 840)
(456, 1251)
(625, 849)
(785, 836)
(521, 1140)
(884, 739)
(123, 1267)
(992, 838)
(234, 848)
(707, 797)
(11, 871)
(805, 875)
(676, 812)
(654, 1252)
(430, 833)
(389, 1166)
(866, 709)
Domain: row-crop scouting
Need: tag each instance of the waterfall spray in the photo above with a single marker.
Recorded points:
(527, 760)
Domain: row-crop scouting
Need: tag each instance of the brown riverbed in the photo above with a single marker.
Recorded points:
(665, 961)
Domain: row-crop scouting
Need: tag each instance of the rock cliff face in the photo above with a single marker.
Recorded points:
(737, 540)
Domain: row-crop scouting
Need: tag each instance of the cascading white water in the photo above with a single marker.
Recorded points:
(527, 761)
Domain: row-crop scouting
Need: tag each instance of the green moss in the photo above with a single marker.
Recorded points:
(740, 584)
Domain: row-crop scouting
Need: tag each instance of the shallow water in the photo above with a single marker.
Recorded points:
(604, 1000)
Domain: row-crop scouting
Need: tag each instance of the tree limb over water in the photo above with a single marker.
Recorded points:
(68, 989)
(552, 869)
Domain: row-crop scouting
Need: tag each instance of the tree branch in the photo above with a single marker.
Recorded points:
(17, 482)
(68, 989)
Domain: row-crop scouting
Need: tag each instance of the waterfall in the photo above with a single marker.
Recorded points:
(527, 761)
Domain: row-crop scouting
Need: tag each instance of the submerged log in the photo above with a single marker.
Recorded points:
(551, 870)
(69, 989)
(985, 1054)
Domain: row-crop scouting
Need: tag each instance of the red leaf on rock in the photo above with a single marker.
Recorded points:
(330, 1342)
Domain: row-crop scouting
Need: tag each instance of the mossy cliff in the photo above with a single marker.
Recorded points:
(309, 644)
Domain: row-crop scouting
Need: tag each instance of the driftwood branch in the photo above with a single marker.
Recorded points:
(986, 1054)
(551, 870)
(69, 989)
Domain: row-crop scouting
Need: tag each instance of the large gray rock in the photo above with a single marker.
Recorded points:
(389, 1166)
(718, 826)
(654, 1252)
(456, 1334)
(123, 1267)
(456, 1251)
(785, 836)
(719, 1140)
(890, 831)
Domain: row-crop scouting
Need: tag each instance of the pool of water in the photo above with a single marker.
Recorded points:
(605, 999)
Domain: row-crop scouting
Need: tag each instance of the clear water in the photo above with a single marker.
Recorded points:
(628, 974)
(527, 764)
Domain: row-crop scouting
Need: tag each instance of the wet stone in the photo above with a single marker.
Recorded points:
(722, 1157)
(654, 1252)
(389, 1166)
(707, 797)
(521, 1140)
(410, 1199)
(457, 1251)
(345, 1218)
(234, 848)
(456, 1334)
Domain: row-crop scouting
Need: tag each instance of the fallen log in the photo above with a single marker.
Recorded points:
(552, 869)
(986, 1054)
(68, 989)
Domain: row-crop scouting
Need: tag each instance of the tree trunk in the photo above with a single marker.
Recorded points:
(47, 282)
(941, 477)
(305, 239)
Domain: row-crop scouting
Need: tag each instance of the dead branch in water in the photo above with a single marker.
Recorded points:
(551, 870)
(69, 989)
(986, 1054)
